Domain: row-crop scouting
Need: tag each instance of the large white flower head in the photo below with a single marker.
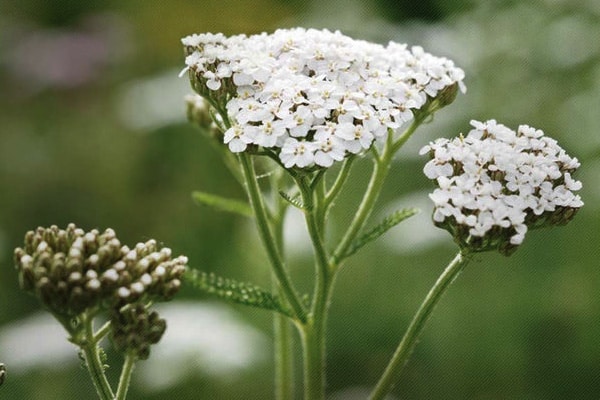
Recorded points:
(495, 184)
(313, 97)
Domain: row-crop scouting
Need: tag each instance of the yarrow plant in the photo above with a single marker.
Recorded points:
(300, 106)
(80, 277)
(297, 108)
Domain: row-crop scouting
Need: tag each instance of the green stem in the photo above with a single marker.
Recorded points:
(312, 206)
(338, 184)
(408, 342)
(103, 331)
(125, 378)
(320, 209)
(313, 333)
(95, 368)
(284, 360)
(268, 240)
(314, 358)
(380, 170)
(282, 328)
(408, 132)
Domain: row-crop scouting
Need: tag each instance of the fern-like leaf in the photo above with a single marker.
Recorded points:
(222, 203)
(385, 225)
(237, 292)
(295, 201)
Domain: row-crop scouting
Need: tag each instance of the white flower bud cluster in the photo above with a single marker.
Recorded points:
(313, 96)
(146, 270)
(496, 183)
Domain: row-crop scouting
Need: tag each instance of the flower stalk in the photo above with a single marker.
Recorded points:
(125, 378)
(93, 361)
(267, 238)
(408, 342)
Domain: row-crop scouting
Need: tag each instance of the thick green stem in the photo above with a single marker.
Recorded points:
(125, 378)
(284, 360)
(314, 358)
(95, 368)
(408, 342)
(268, 240)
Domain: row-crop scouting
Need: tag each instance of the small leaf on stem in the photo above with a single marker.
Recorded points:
(237, 292)
(222, 203)
(386, 224)
(295, 201)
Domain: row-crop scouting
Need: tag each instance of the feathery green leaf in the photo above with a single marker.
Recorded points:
(295, 201)
(236, 292)
(385, 225)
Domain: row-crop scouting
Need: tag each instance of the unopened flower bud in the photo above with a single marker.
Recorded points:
(198, 111)
(134, 329)
(73, 272)
(444, 97)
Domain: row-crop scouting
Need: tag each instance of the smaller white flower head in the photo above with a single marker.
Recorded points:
(495, 184)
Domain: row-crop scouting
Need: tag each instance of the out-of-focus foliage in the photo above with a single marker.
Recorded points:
(93, 131)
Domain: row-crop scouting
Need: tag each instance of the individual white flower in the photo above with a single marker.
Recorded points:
(356, 137)
(329, 149)
(303, 119)
(237, 138)
(495, 184)
(269, 133)
(293, 82)
(297, 153)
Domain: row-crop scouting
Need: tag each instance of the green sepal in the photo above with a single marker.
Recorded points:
(295, 201)
(237, 292)
(385, 225)
(222, 203)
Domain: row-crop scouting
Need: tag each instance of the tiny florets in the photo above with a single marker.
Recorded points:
(72, 271)
(62, 267)
(313, 97)
(495, 184)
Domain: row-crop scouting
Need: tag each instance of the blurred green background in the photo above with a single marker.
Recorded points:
(93, 131)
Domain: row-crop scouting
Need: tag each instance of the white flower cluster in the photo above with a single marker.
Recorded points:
(495, 183)
(314, 96)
